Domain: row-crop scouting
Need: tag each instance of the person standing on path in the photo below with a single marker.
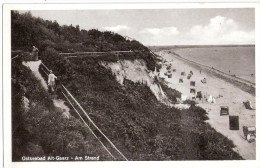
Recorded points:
(35, 53)
(51, 81)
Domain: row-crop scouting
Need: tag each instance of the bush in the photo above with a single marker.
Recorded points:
(172, 94)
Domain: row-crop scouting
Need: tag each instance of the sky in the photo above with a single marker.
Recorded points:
(166, 26)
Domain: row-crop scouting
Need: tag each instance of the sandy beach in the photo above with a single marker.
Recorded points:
(224, 93)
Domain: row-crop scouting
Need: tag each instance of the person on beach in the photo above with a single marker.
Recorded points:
(51, 81)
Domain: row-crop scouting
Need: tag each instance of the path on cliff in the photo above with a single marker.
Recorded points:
(59, 103)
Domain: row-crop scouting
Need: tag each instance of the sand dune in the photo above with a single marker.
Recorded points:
(225, 94)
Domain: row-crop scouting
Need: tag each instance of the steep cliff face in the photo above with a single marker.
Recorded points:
(137, 72)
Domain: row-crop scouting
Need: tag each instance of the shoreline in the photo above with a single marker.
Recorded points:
(243, 84)
(226, 91)
(216, 70)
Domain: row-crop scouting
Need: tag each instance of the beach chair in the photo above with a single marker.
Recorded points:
(183, 74)
(199, 95)
(189, 76)
(249, 133)
(234, 122)
(248, 105)
(224, 110)
(192, 90)
(203, 81)
(169, 75)
(192, 83)
(180, 80)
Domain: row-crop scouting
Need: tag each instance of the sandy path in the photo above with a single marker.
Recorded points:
(232, 97)
(34, 66)
(59, 103)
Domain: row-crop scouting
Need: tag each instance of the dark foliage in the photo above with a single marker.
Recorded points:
(28, 31)
(171, 94)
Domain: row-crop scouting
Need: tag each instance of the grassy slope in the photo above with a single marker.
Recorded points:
(42, 131)
(140, 126)
(135, 121)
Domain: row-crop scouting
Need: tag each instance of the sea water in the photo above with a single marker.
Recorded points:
(239, 61)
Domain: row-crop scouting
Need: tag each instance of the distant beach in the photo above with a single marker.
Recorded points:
(239, 82)
(238, 61)
(227, 91)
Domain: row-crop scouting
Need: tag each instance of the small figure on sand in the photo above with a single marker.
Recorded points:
(204, 81)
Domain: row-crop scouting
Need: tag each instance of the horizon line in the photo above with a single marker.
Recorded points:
(201, 45)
